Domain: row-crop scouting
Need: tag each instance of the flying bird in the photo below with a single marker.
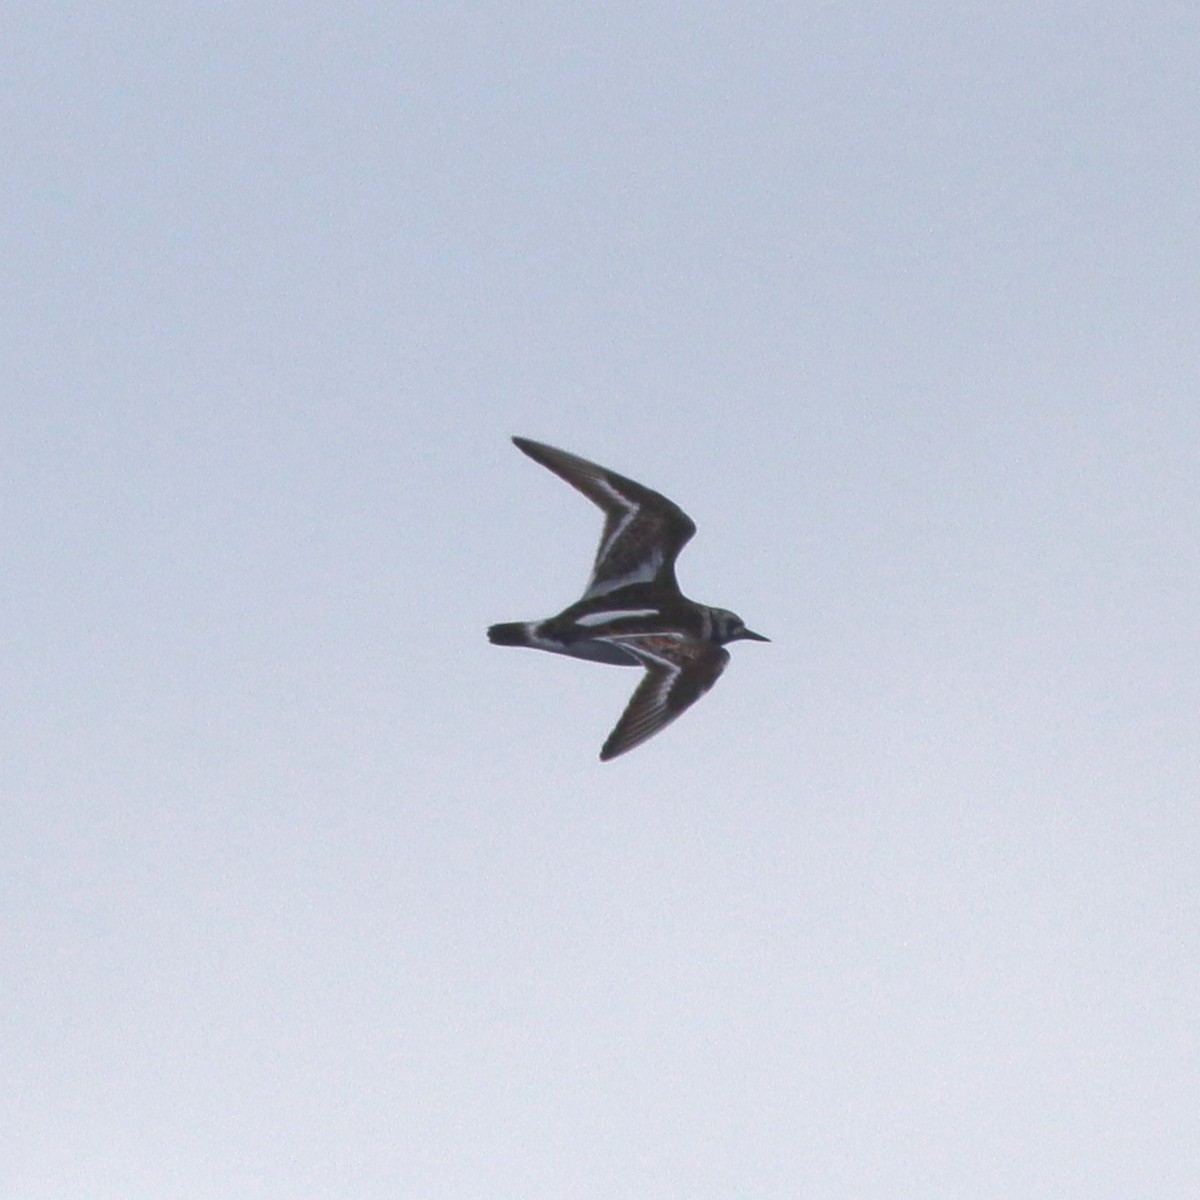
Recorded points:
(632, 612)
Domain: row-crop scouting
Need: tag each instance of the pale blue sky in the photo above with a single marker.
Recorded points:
(310, 892)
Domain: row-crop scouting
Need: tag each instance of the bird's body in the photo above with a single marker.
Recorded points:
(632, 612)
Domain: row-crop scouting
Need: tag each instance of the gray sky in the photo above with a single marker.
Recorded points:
(310, 892)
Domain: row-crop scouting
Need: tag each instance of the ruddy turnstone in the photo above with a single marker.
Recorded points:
(632, 612)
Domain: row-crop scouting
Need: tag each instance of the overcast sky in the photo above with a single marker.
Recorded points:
(309, 892)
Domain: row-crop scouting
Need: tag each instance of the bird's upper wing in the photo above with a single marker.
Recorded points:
(643, 531)
(679, 670)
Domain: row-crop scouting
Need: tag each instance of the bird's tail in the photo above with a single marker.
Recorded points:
(511, 633)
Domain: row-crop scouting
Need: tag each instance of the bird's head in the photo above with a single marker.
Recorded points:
(729, 627)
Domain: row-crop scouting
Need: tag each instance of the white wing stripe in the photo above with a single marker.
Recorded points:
(631, 511)
(644, 572)
(599, 618)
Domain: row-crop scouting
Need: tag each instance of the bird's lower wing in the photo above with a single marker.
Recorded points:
(679, 670)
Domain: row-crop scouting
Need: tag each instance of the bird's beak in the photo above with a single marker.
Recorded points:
(754, 637)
